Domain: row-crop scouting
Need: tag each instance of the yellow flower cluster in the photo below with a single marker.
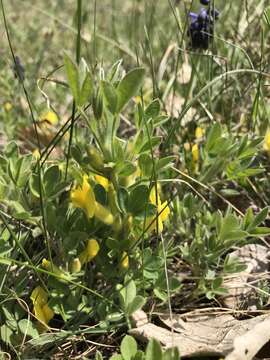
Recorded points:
(83, 197)
(42, 311)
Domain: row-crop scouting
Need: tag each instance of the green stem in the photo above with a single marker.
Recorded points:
(78, 56)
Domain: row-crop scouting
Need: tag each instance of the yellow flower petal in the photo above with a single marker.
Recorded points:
(92, 249)
(36, 154)
(165, 211)
(124, 264)
(103, 214)
(39, 296)
(199, 132)
(90, 252)
(48, 313)
(39, 313)
(162, 209)
(43, 313)
(49, 117)
(155, 200)
(195, 153)
(46, 264)
(83, 197)
(266, 144)
(101, 180)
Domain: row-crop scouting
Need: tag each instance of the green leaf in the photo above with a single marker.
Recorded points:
(235, 235)
(258, 219)
(51, 179)
(18, 211)
(153, 350)
(98, 105)
(153, 109)
(123, 199)
(139, 355)
(217, 283)
(138, 199)
(128, 347)
(260, 231)
(26, 328)
(155, 140)
(127, 294)
(129, 86)
(98, 356)
(171, 354)
(72, 77)
(125, 168)
(110, 96)
(214, 134)
(5, 334)
(116, 357)
(146, 164)
(86, 90)
(136, 304)
(76, 153)
(229, 224)
(165, 162)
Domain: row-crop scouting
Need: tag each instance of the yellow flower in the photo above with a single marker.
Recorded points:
(101, 180)
(49, 117)
(83, 197)
(90, 252)
(42, 311)
(162, 209)
(103, 214)
(7, 106)
(36, 154)
(195, 153)
(266, 144)
(199, 132)
(39, 296)
(124, 264)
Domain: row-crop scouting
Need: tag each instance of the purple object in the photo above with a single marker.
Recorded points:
(204, 2)
(201, 26)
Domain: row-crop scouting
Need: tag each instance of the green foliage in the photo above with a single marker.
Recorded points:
(76, 216)
(214, 236)
(79, 80)
(129, 351)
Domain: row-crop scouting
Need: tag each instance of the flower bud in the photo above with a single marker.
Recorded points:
(124, 264)
(47, 265)
(91, 251)
(75, 266)
(95, 158)
(117, 224)
(112, 199)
